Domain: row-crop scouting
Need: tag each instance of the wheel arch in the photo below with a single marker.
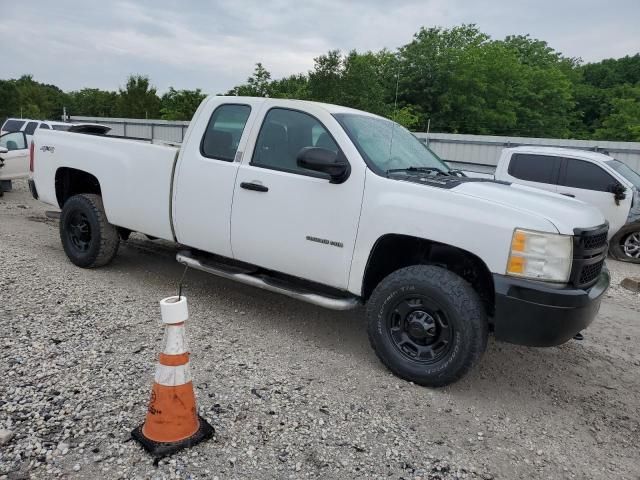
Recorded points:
(392, 252)
(71, 181)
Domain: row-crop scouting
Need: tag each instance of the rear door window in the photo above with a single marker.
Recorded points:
(222, 137)
(12, 125)
(586, 175)
(535, 168)
(30, 128)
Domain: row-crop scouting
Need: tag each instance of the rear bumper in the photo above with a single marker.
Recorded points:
(542, 315)
(32, 189)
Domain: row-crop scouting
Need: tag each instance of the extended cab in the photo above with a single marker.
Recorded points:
(592, 177)
(339, 208)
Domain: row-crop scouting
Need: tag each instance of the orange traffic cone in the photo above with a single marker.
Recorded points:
(172, 421)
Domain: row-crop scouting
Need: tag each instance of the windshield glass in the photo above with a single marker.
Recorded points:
(387, 145)
(626, 171)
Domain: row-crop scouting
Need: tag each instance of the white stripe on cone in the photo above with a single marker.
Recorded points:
(175, 340)
(173, 376)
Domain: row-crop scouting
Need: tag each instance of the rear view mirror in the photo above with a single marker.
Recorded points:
(325, 161)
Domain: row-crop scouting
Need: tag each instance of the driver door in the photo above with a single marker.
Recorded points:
(289, 219)
(16, 158)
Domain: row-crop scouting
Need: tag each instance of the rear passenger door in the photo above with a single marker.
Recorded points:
(539, 171)
(206, 173)
(590, 183)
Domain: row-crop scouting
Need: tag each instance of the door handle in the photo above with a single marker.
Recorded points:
(256, 187)
(568, 195)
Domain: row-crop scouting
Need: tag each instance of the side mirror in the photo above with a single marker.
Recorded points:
(619, 192)
(325, 161)
(3, 150)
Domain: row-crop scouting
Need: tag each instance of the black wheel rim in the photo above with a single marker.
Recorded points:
(79, 231)
(420, 330)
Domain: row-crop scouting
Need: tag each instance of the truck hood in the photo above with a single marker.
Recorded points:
(563, 212)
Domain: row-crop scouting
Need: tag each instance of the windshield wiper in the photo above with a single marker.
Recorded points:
(419, 169)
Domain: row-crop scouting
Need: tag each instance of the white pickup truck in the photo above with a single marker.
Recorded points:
(339, 208)
(592, 177)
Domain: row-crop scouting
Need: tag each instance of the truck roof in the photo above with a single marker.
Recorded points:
(284, 101)
(561, 151)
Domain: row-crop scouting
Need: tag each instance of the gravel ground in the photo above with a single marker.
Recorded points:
(293, 391)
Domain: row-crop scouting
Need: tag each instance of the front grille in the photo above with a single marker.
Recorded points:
(590, 273)
(589, 252)
(595, 241)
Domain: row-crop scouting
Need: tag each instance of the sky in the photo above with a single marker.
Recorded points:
(214, 44)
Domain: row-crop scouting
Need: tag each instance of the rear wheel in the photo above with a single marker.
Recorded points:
(625, 245)
(87, 238)
(427, 325)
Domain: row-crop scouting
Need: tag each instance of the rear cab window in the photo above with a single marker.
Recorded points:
(222, 136)
(12, 125)
(44, 126)
(535, 168)
(30, 128)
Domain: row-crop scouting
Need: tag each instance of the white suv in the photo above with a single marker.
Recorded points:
(30, 126)
(591, 177)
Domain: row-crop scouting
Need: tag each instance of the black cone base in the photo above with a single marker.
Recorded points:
(161, 449)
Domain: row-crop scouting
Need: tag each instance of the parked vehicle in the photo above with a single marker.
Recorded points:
(30, 126)
(16, 159)
(595, 178)
(14, 156)
(338, 207)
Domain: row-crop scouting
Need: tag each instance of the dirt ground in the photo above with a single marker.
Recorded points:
(293, 391)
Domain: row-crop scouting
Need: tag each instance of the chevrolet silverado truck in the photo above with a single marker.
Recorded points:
(339, 208)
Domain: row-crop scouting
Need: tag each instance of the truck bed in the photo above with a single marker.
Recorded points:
(135, 176)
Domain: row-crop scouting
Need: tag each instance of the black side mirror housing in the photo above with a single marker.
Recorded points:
(325, 161)
(619, 192)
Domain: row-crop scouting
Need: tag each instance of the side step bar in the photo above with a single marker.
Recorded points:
(333, 303)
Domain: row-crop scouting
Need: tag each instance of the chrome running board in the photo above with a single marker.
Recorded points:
(333, 303)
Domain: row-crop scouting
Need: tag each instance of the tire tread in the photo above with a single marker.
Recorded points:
(463, 299)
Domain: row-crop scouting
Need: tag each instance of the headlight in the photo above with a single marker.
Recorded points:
(540, 256)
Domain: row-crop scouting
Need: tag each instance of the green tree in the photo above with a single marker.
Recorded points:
(180, 104)
(92, 102)
(623, 122)
(138, 99)
(293, 86)
(257, 84)
(325, 78)
(38, 100)
(9, 99)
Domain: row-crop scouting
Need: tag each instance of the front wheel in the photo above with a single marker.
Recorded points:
(88, 239)
(625, 245)
(427, 325)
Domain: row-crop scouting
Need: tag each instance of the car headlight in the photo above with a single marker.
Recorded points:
(540, 256)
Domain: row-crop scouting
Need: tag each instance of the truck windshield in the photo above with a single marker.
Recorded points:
(626, 171)
(388, 147)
